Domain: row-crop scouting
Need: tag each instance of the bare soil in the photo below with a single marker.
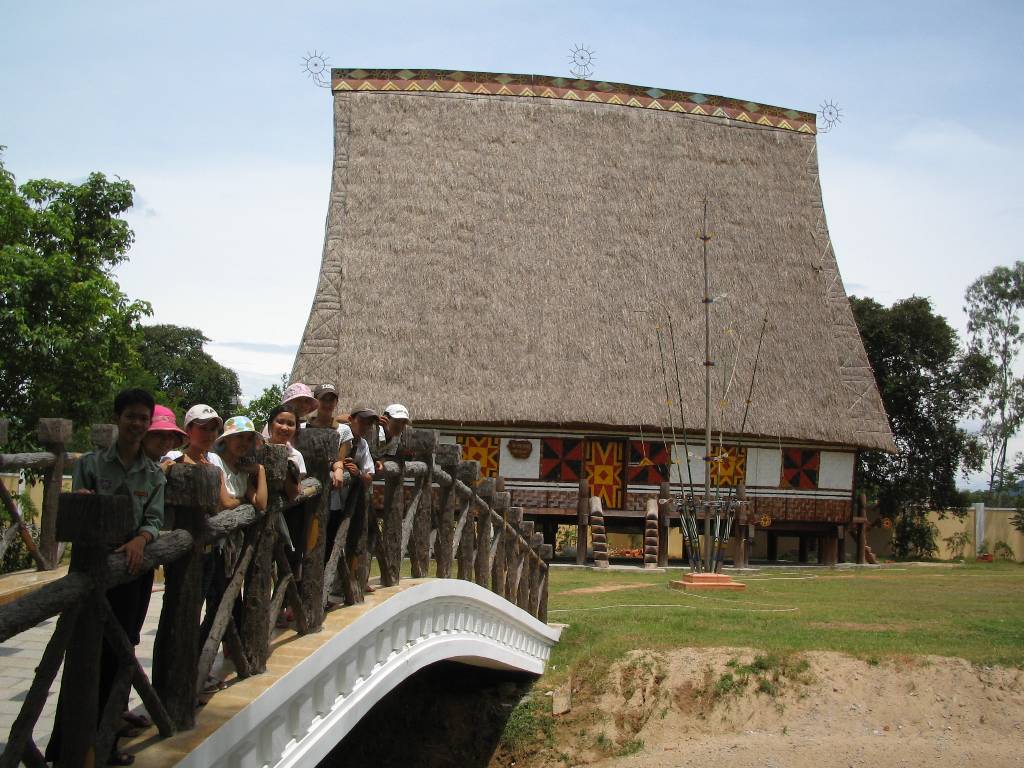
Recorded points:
(706, 707)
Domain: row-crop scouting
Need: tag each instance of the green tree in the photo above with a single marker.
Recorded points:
(260, 406)
(994, 303)
(69, 333)
(928, 384)
(174, 364)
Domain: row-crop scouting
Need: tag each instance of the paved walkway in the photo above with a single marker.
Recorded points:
(22, 653)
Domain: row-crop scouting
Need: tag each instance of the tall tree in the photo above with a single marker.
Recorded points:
(174, 363)
(928, 384)
(69, 332)
(994, 304)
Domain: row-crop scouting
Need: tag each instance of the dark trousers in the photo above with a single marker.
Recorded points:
(130, 603)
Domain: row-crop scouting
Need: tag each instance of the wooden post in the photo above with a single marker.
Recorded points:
(651, 530)
(598, 534)
(664, 522)
(447, 458)
(742, 539)
(482, 563)
(513, 554)
(256, 594)
(92, 523)
(523, 590)
(192, 493)
(500, 542)
(53, 434)
(318, 447)
(582, 521)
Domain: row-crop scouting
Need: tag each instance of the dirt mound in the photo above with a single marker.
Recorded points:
(689, 706)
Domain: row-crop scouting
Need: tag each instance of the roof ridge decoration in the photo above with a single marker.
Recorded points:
(545, 86)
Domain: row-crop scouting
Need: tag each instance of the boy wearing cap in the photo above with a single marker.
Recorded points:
(123, 469)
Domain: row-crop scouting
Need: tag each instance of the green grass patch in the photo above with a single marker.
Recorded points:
(974, 612)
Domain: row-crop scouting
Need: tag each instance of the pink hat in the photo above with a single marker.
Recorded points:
(297, 391)
(164, 421)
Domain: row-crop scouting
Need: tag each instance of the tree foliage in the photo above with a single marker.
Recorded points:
(994, 302)
(928, 384)
(70, 335)
(174, 365)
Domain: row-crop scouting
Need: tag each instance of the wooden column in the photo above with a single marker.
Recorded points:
(319, 448)
(447, 458)
(664, 522)
(53, 435)
(502, 502)
(256, 594)
(742, 559)
(482, 565)
(513, 554)
(93, 523)
(582, 521)
(651, 531)
(193, 492)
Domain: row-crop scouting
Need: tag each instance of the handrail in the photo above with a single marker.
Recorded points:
(449, 514)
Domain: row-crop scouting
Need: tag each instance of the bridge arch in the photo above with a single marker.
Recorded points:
(300, 718)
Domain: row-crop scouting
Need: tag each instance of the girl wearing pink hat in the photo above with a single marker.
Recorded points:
(164, 434)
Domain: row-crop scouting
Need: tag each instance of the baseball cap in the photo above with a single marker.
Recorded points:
(202, 412)
(323, 389)
(164, 420)
(397, 411)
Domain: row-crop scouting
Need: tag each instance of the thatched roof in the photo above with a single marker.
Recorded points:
(486, 256)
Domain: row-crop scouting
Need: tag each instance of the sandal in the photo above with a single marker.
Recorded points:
(120, 758)
(136, 720)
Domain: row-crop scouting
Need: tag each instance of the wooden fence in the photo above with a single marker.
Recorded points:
(449, 517)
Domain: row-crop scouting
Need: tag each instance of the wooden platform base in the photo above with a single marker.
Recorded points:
(706, 581)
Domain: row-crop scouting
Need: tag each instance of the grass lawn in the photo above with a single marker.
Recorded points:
(973, 611)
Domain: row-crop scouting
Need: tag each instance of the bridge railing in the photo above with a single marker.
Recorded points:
(450, 516)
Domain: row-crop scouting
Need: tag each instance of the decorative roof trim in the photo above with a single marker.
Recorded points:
(544, 86)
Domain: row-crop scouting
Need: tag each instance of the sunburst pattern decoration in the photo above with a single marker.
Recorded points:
(581, 62)
(829, 115)
(315, 66)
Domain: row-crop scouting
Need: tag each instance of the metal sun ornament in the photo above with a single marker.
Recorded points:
(830, 115)
(315, 65)
(581, 61)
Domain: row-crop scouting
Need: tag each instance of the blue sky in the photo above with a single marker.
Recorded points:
(204, 107)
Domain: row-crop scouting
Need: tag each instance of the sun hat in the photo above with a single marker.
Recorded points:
(202, 412)
(164, 420)
(397, 411)
(237, 425)
(323, 389)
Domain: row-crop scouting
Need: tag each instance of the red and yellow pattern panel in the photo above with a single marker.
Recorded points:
(728, 465)
(648, 462)
(483, 448)
(604, 470)
(561, 459)
(800, 469)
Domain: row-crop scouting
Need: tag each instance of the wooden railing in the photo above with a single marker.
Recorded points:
(449, 514)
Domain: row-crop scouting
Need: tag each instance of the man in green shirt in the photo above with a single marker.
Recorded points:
(123, 470)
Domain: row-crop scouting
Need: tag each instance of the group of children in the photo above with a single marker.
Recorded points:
(149, 440)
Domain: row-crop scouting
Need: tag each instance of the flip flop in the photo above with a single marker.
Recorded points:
(136, 720)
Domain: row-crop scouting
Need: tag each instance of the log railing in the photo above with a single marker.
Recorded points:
(448, 514)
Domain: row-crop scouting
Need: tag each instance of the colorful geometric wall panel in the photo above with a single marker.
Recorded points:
(604, 470)
(482, 448)
(648, 462)
(520, 458)
(728, 465)
(561, 459)
(800, 468)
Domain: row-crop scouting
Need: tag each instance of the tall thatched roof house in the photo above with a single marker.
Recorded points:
(499, 249)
